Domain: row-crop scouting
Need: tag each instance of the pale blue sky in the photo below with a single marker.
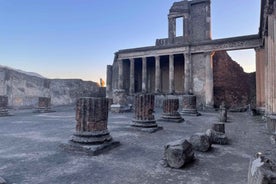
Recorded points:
(78, 38)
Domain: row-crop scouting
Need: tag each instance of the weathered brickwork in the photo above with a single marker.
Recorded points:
(189, 105)
(4, 106)
(170, 110)
(91, 117)
(143, 111)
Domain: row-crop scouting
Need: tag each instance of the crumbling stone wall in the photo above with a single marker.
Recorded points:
(231, 83)
(23, 90)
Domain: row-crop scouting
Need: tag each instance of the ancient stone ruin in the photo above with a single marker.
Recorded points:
(4, 106)
(44, 105)
(189, 105)
(144, 113)
(92, 135)
(178, 153)
(170, 110)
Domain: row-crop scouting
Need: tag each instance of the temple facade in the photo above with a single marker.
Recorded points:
(180, 65)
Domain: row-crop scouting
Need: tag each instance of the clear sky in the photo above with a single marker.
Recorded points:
(78, 38)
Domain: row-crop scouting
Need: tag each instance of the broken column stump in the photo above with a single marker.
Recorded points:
(217, 137)
(222, 113)
(218, 127)
(189, 105)
(44, 105)
(4, 106)
(178, 153)
(143, 113)
(92, 135)
(170, 110)
(271, 123)
(201, 142)
(120, 102)
(262, 170)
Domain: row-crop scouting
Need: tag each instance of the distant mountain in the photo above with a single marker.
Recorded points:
(24, 72)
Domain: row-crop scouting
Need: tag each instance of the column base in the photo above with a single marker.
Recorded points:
(260, 110)
(4, 112)
(97, 137)
(144, 123)
(43, 110)
(92, 150)
(209, 108)
(117, 108)
(271, 123)
(190, 112)
(171, 118)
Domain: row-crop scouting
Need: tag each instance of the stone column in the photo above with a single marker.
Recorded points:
(189, 105)
(109, 72)
(44, 105)
(91, 135)
(170, 110)
(91, 117)
(132, 79)
(157, 75)
(187, 73)
(144, 74)
(260, 78)
(120, 75)
(209, 86)
(171, 75)
(271, 76)
(143, 113)
(4, 106)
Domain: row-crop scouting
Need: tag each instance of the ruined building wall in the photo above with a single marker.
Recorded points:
(23, 90)
(231, 83)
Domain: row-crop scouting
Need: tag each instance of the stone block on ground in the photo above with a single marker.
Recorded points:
(201, 142)
(218, 127)
(262, 170)
(178, 153)
(217, 137)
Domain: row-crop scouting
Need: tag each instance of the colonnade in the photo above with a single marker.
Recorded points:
(157, 88)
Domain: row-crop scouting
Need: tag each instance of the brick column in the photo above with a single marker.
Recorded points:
(109, 72)
(143, 113)
(187, 73)
(260, 78)
(209, 88)
(132, 81)
(91, 117)
(120, 75)
(170, 110)
(144, 74)
(157, 75)
(189, 105)
(4, 106)
(44, 105)
(171, 74)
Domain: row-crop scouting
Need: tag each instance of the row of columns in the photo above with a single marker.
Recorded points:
(187, 73)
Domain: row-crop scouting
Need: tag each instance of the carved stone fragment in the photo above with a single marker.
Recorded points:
(178, 153)
(217, 137)
(201, 142)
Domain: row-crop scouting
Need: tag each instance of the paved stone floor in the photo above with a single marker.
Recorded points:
(30, 151)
